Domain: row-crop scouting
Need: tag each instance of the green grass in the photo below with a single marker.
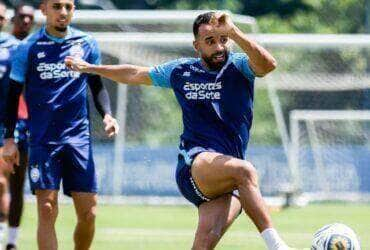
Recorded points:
(167, 227)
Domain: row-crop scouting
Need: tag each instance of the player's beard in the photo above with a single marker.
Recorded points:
(60, 29)
(215, 66)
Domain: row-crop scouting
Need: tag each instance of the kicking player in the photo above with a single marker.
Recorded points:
(8, 44)
(59, 145)
(22, 25)
(215, 93)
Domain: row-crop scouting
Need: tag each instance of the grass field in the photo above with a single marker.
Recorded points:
(172, 227)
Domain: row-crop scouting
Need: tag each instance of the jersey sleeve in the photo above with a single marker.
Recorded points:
(241, 61)
(95, 55)
(19, 63)
(161, 74)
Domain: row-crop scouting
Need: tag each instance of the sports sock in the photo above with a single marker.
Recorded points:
(13, 235)
(2, 232)
(273, 240)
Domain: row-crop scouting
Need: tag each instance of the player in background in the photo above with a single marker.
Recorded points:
(22, 21)
(8, 44)
(60, 144)
(215, 93)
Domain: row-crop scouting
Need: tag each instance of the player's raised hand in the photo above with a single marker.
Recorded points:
(223, 24)
(77, 64)
(10, 152)
(111, 125)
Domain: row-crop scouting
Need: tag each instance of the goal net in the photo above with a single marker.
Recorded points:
(330, 152)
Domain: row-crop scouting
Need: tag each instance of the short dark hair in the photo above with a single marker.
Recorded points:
(204, 18)
(20, 5)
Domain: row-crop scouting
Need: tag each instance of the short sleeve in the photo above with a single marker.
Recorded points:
(19, 63)
(241, 62)
(95, 55)
(161, 74)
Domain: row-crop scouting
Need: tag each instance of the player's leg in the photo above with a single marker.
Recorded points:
(44, 172)
(79, 181)
(16, 187)
(47, 207)
(85, 206)
(4, 202)
(215, 217)
(216, 174)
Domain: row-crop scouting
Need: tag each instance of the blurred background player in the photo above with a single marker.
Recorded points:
(22, 21)
(60, 146)
(215, 92)
(8, 44)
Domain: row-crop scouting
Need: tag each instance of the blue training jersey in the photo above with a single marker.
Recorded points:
(8, 44)
(217, 107)
(56, 96)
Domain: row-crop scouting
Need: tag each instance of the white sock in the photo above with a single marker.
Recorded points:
(13, 235)
(273, 240)
(2, 231)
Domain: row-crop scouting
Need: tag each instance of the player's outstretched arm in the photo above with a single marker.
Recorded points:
(124, 73)
(260, 60)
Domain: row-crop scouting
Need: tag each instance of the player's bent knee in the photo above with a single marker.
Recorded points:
(88, 217)
(247, 174)
(48, 211)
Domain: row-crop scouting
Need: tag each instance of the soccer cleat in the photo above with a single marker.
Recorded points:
(11, 247)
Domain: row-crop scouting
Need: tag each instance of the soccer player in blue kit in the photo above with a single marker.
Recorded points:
(215, 92)
(8, 44)
(60, 146)
(22, 24)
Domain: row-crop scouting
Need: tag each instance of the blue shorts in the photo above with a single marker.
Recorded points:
(21, 134)
(184, 180)
(70, 163)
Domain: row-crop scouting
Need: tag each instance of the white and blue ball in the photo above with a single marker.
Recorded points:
(335, 237)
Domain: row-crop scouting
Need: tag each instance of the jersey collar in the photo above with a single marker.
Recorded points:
(57, 39)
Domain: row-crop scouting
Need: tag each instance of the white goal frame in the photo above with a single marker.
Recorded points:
(310, 116)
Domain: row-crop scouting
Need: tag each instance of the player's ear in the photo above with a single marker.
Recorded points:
(43, 7)
(196, 45)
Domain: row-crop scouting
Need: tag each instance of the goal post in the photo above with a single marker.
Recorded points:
(325, 147)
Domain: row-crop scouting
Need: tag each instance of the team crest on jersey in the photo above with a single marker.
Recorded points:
(35, 173)
(76, 51)
(4, 54)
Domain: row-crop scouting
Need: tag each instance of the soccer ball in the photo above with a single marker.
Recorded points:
(335, 237)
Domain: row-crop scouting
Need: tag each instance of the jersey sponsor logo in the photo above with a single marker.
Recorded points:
(196, 69)
(55, 70)
(41, 55)
(186, 74)
(76, 51)
(45, 43)
(203, 91)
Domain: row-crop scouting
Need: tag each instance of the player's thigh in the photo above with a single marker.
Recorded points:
(79, 174)
(215, 173)
(216, 216)
(85, 205)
